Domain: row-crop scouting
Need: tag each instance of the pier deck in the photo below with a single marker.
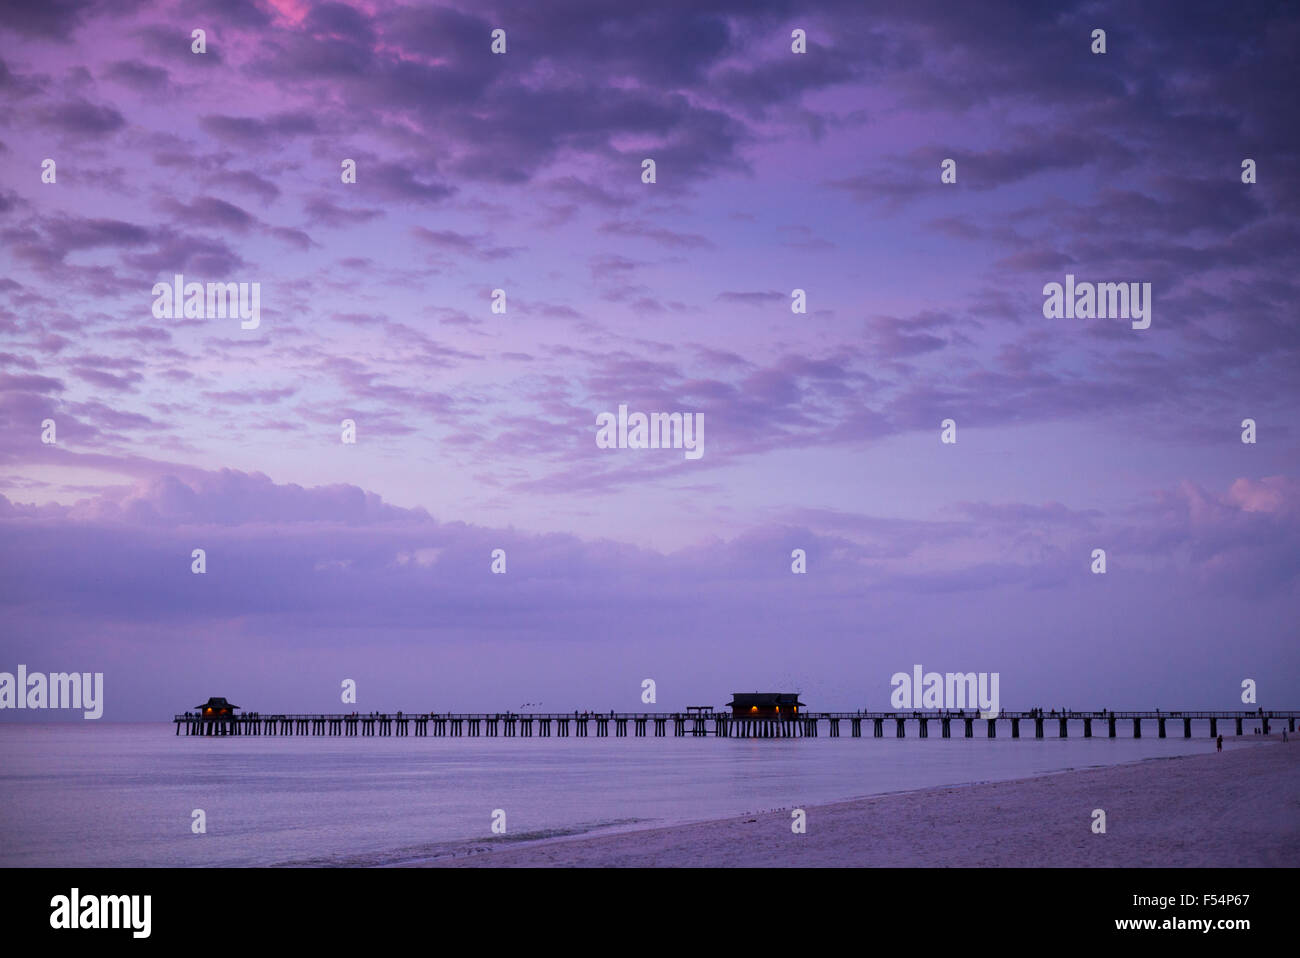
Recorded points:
(721, 724)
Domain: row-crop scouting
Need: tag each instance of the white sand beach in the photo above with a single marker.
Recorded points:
(1240, 807)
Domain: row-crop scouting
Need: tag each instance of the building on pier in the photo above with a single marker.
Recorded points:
(764, 704)
(216, 708)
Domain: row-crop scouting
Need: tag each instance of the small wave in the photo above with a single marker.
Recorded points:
(431, 851)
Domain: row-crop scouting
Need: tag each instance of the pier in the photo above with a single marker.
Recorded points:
(699, 722)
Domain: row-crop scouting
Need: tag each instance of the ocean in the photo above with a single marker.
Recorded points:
(103, 794)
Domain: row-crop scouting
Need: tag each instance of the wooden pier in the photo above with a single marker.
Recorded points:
(720, 724)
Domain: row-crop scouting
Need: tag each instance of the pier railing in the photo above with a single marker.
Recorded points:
(718, 723)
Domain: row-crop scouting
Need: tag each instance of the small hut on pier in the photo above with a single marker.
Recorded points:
(217, 708)
(764, 704)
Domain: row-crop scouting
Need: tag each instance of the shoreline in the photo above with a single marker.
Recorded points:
(1238, 808)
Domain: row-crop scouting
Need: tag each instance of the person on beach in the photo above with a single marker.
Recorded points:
(1219, 744)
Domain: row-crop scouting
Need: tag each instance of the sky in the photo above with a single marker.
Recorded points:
(476, 429)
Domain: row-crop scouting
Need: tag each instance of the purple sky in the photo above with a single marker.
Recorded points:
(476, 430)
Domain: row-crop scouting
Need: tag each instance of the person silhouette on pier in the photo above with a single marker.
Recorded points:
(1218, 744)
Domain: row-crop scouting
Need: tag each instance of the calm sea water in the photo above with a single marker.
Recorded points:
(103, 794)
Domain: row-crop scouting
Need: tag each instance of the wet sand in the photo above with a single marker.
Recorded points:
(1240, 807)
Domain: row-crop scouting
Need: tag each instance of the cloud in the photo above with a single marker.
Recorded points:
(282, 556)
(328, 213)
(248, 182)
(394, 181)
(657, 234)
(212, 212)
(753, 298)
(106, 380)
(143, 77)
(450, 241)
(52, 20)
(257, 132)
(82, 118)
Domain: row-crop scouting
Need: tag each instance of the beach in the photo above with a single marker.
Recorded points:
(1237, 808)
